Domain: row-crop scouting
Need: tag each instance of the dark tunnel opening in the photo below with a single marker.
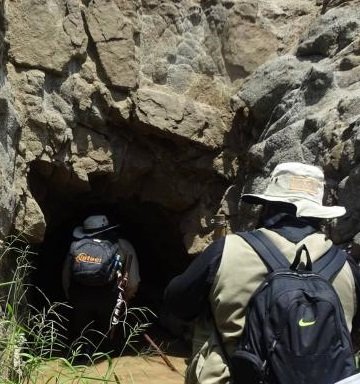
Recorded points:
(148, 228)
(151, 229)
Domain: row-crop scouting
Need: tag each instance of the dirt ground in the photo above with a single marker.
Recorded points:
(146, 368)
(124, 370)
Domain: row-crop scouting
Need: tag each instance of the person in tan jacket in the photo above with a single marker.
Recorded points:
(217, 286)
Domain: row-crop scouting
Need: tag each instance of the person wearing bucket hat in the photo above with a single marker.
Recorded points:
(96, 259)
(215, 290)
(300, 186)
(92, 226)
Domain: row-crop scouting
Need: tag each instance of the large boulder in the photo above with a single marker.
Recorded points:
(43, 34)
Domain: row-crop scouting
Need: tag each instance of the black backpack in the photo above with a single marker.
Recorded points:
(295, 330)
(94, 262)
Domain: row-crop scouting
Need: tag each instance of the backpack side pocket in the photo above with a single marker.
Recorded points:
(247, 367)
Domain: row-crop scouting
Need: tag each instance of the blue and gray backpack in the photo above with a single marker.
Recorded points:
(295, 329)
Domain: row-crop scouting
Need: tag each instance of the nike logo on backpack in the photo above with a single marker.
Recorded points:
(304, 323)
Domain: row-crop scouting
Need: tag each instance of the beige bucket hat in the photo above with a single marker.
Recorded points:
(301, 185)
(93, 225)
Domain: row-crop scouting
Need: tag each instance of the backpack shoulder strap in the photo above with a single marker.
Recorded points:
(329, 265)
(268, 252)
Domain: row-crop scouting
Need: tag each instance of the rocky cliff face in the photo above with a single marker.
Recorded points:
(180, 104)
(305, 107)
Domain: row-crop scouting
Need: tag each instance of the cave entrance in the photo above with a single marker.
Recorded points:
(152, 230)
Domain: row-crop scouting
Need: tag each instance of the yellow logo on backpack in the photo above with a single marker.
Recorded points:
(304, 323)
(85, 258)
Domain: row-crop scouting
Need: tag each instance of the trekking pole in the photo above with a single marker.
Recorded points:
(161, 353)
(121, 301)
(117, 312)
(115, 321)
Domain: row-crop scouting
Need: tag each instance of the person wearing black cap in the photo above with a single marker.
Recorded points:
(90, 281)
(215, 290)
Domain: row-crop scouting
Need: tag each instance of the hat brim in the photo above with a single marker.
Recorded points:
(79, 232)
(304, 207)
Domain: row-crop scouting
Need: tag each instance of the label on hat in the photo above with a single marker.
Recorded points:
(305, 184)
